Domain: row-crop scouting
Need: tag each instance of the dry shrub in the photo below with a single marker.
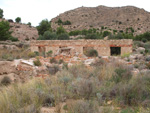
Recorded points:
(37, 62)
(91, 53)
(8, 54)
(80, 71)
(18, 96)
(53, 60)
(82, 106)
(53, 69)
(86, 88)
(133, 93)
(31, 54)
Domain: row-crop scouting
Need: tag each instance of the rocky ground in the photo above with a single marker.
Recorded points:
(24, 69)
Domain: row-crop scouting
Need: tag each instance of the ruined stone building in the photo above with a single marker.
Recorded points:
(103, 47)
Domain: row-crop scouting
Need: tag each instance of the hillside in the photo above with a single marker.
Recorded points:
(23, 31)
(116, 18)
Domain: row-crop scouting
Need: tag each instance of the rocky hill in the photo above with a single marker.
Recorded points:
(115, 18)
(22, 31)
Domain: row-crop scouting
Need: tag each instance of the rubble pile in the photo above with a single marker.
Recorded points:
(22, 70)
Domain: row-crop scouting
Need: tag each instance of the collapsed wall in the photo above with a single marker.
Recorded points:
(103, 47)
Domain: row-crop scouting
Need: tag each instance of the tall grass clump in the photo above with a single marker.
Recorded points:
(24, 97)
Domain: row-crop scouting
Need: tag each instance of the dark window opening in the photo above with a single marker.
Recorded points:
(115, 51)
(41, 51)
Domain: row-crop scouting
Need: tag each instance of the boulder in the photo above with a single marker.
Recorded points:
(140, 49)
(89, 61)
(131, 57)
(7, 67)
(139, 56)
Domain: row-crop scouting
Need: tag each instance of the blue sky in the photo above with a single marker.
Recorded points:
(36, 10)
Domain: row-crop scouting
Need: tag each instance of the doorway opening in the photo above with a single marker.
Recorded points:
(115, 51)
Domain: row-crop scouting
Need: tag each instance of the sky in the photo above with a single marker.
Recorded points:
(35, 11)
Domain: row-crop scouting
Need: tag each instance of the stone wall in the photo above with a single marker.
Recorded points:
(102, 46)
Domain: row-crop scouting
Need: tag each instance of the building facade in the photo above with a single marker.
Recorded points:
(103, 47)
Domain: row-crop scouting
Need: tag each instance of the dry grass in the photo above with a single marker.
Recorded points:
(6, 54)
(89, 90)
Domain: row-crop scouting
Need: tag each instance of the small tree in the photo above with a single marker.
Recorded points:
(63, 36)
(106, 33)
(18, 20)
(91, 36)
(29, 23)
(60, 30)
(1, 13)
(59, 21)
(44, 25)
(49, 35)
(5, 34)
(67, 22)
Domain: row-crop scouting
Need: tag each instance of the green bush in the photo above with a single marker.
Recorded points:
(49, 53)
(106, 33)
(36, 53)
(53, 60)
(91, 53)
(67, 22)
(75, 33)
(84, 32)
(144, 40)
(44, 26)
(31, 54)
(18, 20)
(102, 27)
(145, 35)
(29, 23)
(91, 36)
(37, 62)
(13, 39)
(61, 61)
(114, 31)
(60, 30)
(6, 81)
(59, 21)
(48, 36)
(121, 74)
(63, 36)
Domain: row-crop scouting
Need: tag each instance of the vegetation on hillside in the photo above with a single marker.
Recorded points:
(60, 22)
(4, 30)
(44, 26)
(92, 33)
(5, 33)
